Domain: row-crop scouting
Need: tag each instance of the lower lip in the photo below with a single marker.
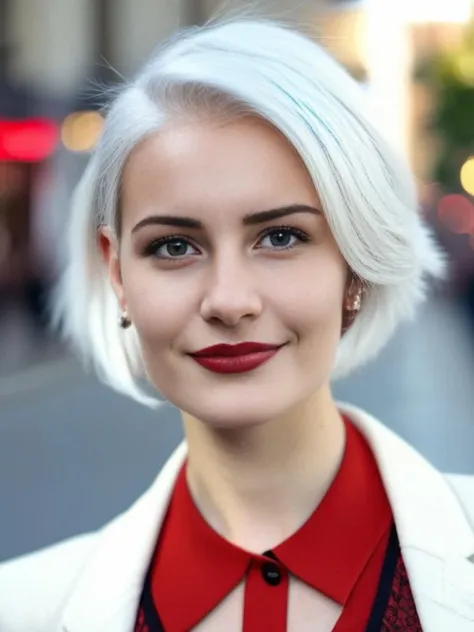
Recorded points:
(237, 364)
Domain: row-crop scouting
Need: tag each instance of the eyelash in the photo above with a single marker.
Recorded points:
(152, 248)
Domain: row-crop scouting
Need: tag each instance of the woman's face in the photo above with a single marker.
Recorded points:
(222, 242)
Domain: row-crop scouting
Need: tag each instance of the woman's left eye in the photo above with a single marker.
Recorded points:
(282, 238)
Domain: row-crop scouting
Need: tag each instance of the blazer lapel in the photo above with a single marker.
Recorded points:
(435, 537)
(107, 594)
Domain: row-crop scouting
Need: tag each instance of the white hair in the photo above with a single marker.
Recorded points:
(367, 193)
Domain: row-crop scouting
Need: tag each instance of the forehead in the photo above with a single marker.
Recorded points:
(198, 168)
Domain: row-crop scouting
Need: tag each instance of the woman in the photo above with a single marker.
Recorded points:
(242, 236)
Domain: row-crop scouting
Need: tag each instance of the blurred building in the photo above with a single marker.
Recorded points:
(63, 50)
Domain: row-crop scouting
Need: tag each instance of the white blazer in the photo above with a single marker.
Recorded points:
(92, 583)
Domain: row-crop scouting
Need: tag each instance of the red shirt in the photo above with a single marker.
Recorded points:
(339, 551)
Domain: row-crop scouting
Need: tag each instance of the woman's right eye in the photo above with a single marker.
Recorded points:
(170, 248)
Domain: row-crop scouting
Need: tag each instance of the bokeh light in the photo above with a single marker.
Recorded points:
(81, 130)
(29, 140)
(457, 213)
(467, 176)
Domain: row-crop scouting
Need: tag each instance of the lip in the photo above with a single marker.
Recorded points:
(238, 358)
(233, 351)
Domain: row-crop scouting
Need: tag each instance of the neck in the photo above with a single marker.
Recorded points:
(256, 486)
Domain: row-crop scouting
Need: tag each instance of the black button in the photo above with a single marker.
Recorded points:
(271, 574)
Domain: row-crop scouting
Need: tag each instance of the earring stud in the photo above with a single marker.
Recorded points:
(357, 303)
(351, 311)
(125, 321)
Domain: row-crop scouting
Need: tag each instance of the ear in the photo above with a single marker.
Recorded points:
(109, 249)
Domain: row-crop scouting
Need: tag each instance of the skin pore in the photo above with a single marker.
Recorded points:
(223, 241)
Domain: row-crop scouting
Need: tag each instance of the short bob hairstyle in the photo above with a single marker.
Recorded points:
(261, 68)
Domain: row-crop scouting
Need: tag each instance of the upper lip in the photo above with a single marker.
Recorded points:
(242, 348)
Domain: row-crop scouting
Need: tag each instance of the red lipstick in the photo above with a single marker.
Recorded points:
(238, 358)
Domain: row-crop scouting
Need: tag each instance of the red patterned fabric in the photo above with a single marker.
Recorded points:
(400, 614)
(141, 625)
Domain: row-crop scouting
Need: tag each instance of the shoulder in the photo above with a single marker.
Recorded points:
(463, 487)
(34, 587)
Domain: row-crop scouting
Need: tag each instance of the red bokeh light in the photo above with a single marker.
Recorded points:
(457, 213)
(29, 140)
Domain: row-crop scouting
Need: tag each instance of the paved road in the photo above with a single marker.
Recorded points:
(73, 454)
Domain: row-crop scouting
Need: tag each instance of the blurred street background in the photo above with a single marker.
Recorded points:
(73, 454)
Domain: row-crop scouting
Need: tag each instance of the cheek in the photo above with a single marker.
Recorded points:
(312, 299)
(313, 312)
(157, 305)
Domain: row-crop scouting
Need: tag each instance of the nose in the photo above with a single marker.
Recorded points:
(231, 294)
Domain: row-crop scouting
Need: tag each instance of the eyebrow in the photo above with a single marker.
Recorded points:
(249, 220)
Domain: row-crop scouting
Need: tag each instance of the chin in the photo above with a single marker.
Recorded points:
(236, 412)
(244, 401)
(237, 420)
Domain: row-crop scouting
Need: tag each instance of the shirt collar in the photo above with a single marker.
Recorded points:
(330, 551)
(194, 565)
